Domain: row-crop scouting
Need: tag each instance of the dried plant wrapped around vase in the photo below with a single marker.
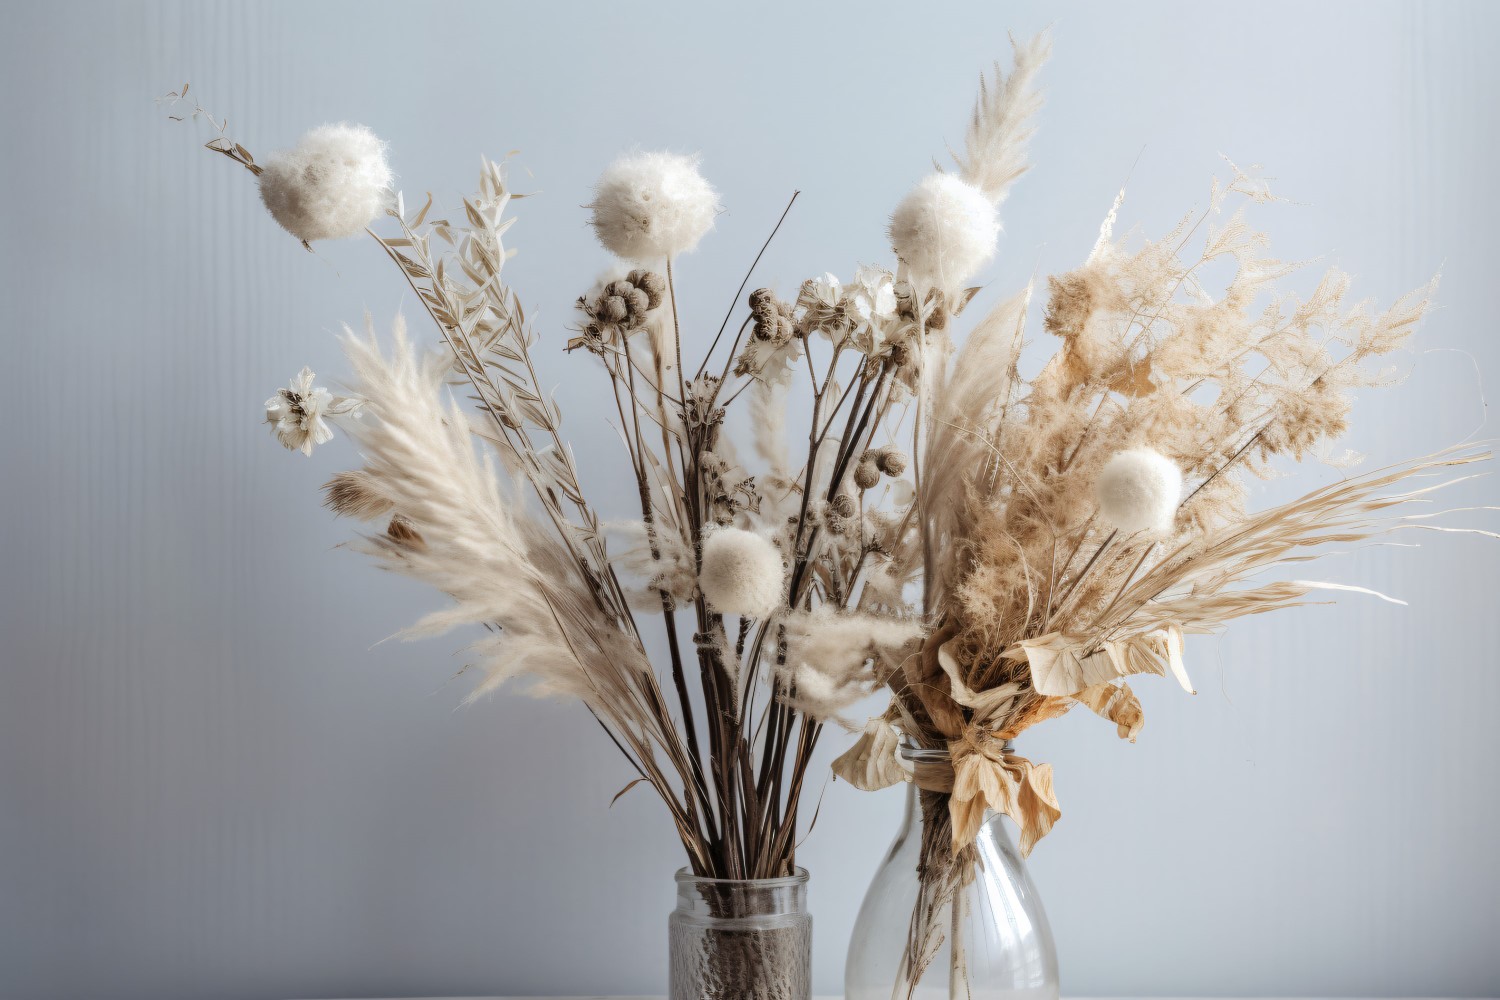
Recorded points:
(990, 549)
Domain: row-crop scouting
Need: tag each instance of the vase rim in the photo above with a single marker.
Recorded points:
(798, 877)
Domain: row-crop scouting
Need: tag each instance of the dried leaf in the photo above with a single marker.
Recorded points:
(1062, 666)
(873, 761)
(1118, 704)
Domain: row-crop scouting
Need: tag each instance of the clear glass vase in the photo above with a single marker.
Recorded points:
(980, 933)
(740, 940)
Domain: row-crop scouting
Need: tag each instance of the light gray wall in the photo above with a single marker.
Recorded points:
(214, 783)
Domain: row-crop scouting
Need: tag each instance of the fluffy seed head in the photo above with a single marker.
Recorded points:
(329, 186)
(742, 573)
(648, 206)
(944, 231)
(1139, 491)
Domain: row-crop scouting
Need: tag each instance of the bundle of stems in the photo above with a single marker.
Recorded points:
(987, 548)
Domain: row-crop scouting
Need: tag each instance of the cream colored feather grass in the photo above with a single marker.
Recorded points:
(1001, 126)
(479, 546)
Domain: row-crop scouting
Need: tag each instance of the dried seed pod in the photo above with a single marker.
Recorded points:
(836, 524)
(639, 303)
(653, 284)
(866, 475)
(771, 319)
(785, 330)
(890, 461)
(613, 308)
(843, 505)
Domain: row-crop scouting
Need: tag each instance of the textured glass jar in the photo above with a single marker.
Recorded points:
(1005, 945)
(738, 940)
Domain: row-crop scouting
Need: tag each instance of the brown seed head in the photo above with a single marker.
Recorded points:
(613, 308)
(890, 461)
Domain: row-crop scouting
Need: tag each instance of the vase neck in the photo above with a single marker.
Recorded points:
(720, 898)
(938, 763)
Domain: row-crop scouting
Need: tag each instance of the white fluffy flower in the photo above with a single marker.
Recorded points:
(329, 186)
(296, 413)
(1139, 491)
(649, 206)
(944, 231)
(741, 573)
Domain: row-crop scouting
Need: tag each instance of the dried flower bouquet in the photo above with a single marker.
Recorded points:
(991, 549)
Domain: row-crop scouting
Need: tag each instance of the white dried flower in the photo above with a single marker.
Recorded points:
(650, 206)
(944, 231)
(329, 186)
(1139, 491)
(873, 295)
(742, 573)
(296, 413)
(823, 307)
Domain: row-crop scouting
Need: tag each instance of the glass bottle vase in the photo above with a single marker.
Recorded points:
(740, 940)
(979, 934)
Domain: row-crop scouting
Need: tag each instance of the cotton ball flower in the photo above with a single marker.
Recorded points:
(1139, 491)
(944, 231)
(741, 573)
(650, 206)
(329, 186)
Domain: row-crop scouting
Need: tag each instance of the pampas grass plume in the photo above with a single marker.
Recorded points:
(742, 573)
(650, 206)
(1139, 491)
(330, 186)
(944, 231)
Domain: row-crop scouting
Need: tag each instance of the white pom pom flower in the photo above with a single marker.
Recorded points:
(742, 573)
(650, 206)
(944, 231)
(330, 186)
(1139, 491)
